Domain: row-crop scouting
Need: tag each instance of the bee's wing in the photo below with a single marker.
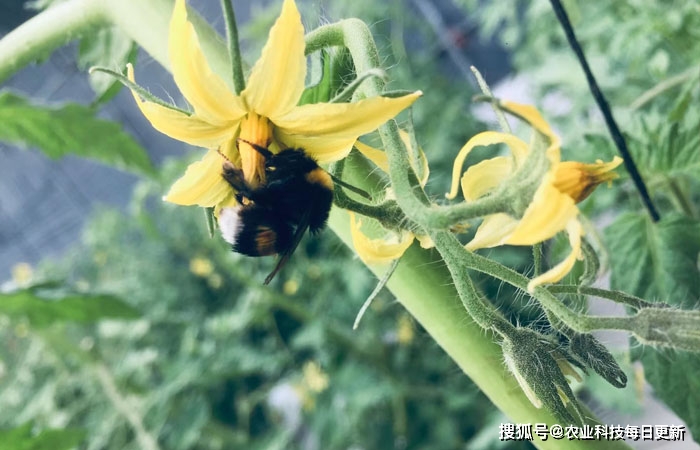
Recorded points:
(296, 239)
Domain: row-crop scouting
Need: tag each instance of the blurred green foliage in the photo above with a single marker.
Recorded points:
(216, 360)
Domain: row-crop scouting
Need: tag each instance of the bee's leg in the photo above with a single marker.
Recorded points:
(234, 176)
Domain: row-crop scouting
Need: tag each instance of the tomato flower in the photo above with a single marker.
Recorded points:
(265, 113)
(553, 206)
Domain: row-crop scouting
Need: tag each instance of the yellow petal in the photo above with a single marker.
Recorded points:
(493, 231)
(377, 251)
(531, 115)
(230, 150)
(425, 241)
(419, 162)
(559, 271)
(548, 214)
(190, 129)
(483, 177)
(202, 183)
(228, 201)
(335, 120)
(517, 146)
(323, 150)
(211, 99)
(277, 79)
(378, 157)
(578, 180)
(423, 172)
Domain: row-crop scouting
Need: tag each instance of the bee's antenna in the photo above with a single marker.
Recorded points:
(262, 150)
(218, 150)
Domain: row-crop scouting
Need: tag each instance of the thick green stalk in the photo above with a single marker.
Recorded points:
(424, 287)
(48, 30)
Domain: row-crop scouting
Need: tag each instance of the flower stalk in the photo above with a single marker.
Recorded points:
(234, 49)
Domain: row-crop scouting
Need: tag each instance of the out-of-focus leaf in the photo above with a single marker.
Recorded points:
(71, 129)
(331, 72)
(106, 47)
(660, 261)
(654, 260)
(668, 147)
(21, 438)
(675, 381)
(321, 74)
(82, 308)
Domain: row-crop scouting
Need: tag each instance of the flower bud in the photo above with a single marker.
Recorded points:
(589, 351)
(578, 180)
(530, 357)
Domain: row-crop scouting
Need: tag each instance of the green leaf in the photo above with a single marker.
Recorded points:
(666, 147)
(674, 376)
(660, 261)
(107, 47)
(656, 261)
(330, 73)
(21, 438)
(321, 74)
(42, 311)
(71, 129)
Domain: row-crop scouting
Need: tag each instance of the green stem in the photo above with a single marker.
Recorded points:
(354, 34)
(48, 30)
(500, 115)
(664, 86)
(681, 199)
(581, 323)
(537, 258)
(234, 50)
(387, 213)
(483, 313)
(616, 296)
(422, 283)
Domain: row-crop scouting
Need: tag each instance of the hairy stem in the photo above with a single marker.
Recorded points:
(426, 289)
(615, 296)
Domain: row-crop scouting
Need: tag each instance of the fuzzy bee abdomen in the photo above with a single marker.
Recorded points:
(255, 231)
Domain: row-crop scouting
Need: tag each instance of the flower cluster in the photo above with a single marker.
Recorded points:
(266, 113)
(552, 207)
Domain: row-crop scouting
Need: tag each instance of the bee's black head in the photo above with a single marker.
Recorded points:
(290, 162)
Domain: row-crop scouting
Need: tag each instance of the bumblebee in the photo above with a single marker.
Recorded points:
(295, 196)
